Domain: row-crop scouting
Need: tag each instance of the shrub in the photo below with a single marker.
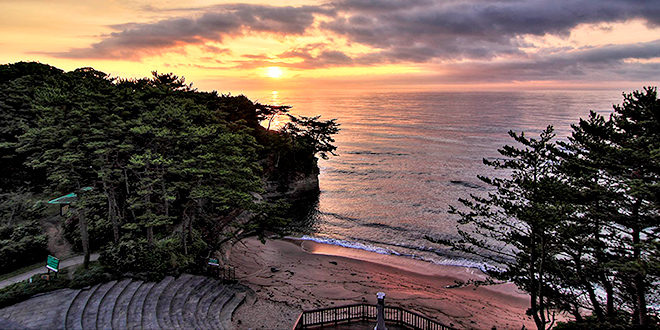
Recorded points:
(94, 275)
(25, 245)
(621, 322)
(18, 292)
(165, 257)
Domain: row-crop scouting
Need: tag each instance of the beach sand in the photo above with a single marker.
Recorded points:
(289, 276)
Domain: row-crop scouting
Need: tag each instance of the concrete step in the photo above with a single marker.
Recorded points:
(227, 313)
(163, 313)
(120, 310)
(6, 324)
(107, 305)
(213, 314)
(42, 311)
(134, 315)
(67, 310)
(182, 291)
(201, 314)
(180, 300)
(149, 320)
(75, 313)
(91, 309)
(193, 301)
(189, 302)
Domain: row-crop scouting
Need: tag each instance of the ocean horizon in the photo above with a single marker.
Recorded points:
(404, 157)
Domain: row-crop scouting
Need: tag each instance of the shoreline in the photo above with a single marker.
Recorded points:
(291, 275)
(460, 262)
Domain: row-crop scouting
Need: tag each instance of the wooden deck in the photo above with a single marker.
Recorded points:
(358, 315)
(358, 325)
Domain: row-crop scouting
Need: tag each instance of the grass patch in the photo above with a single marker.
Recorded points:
(20, 291)
(94, 275)
(23, 270)
(75, 278)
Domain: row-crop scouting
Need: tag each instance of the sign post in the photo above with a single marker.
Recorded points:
(53, 264)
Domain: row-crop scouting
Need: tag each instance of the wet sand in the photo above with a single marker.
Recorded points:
(289, 276)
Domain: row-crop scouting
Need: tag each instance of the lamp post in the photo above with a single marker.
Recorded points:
(380, 319)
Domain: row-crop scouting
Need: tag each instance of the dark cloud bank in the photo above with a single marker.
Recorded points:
(418, 31)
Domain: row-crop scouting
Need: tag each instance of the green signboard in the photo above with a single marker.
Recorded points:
(53, 263)
(213, 262)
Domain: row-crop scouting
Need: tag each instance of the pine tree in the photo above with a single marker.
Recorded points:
(516, 227)
(622, 155)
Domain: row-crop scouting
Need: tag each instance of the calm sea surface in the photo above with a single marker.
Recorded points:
(404, 157)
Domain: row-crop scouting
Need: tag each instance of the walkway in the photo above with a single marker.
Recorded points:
(42, 270)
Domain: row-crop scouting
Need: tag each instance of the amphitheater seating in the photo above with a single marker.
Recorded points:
(186, 302)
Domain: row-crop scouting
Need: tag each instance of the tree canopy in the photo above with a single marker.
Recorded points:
(576, 223)
(161, 157)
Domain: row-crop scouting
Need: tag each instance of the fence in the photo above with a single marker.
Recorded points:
(364, 312)
(225, 273)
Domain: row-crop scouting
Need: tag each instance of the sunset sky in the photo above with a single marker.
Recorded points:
(250, 45)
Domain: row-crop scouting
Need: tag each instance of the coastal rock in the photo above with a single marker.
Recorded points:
(297, 185)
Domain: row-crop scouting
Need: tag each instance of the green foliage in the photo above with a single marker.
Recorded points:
(80, 278)
(24, 246)
(312, 133)
(516, 227)
(20, 291)
(96, 274)
(19, 85)
(621, 321)
(578, 217)
(161, 158)
(268, 217)
(22, 242)
(165, 257)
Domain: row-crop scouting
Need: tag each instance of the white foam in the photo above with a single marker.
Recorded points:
(347, 244)
(366, 247)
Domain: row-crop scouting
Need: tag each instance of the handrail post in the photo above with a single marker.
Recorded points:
(380, 316)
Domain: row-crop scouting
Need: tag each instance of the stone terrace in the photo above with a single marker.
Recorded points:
(187, 302)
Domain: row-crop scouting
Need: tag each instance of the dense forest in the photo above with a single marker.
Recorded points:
(160, 171)
(576, 223)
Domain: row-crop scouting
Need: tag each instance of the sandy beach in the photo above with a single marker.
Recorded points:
(289, 276)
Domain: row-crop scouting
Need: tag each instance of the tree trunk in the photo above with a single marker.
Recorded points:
(190, 224)
(602, 276)
(112, 212)
(84, 237)
(593, 298)
(150, 235)
(532, 278)
(184, 229)
(165, 202)
(128, 193)
(640, 286)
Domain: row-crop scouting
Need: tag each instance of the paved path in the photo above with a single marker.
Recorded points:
(63, 264)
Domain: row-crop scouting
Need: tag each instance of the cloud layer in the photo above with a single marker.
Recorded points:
(461, 37)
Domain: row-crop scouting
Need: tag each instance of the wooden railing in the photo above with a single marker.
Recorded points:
(364, 312)
(225, 273)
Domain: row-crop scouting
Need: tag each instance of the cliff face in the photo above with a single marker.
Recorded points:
(294, 186)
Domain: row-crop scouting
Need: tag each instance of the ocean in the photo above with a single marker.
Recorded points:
(404, 157)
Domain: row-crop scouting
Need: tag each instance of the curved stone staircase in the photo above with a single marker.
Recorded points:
(187, 302)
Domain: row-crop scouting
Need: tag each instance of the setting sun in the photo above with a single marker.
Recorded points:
(274, 72)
